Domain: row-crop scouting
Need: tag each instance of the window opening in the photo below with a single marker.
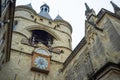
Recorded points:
(40, 36)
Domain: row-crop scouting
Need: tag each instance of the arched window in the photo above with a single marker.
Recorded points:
(45, 9)
(42, 37)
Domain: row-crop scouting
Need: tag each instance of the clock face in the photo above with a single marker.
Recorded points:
(42, 51)
(41, 62)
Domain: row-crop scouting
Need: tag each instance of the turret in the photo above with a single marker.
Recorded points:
(44, 11)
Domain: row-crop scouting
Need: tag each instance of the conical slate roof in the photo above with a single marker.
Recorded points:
(29, 5)
(58, 17)
(44, 14)
(45, 11)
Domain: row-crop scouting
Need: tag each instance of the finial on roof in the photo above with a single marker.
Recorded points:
(116, 8)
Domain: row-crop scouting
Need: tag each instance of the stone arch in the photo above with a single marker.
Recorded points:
(47, 29)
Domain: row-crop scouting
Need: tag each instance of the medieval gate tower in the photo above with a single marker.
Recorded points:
(40, 45)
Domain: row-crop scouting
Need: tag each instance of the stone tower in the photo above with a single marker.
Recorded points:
(40, 45)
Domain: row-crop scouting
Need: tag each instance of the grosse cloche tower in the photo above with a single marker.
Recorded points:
(40, 45)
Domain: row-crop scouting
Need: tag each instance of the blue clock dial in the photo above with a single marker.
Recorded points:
(41, 62)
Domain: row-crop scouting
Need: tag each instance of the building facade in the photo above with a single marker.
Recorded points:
(97, 56)
(6, 21)
(41, 47)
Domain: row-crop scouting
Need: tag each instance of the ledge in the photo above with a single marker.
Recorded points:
(104, 70)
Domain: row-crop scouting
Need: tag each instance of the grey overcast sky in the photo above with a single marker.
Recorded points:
(73, 11)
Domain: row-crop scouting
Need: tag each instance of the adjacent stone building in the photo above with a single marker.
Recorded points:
(41, 47)
(97, 56)
(6, 22)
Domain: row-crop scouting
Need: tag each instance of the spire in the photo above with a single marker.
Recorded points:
(45, 11)
(88, 11)
(58, 17)
(87, 7)
(116, 8)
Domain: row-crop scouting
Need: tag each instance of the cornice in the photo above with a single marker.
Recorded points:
(102, 13)
(62, 47)
(109, 66)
